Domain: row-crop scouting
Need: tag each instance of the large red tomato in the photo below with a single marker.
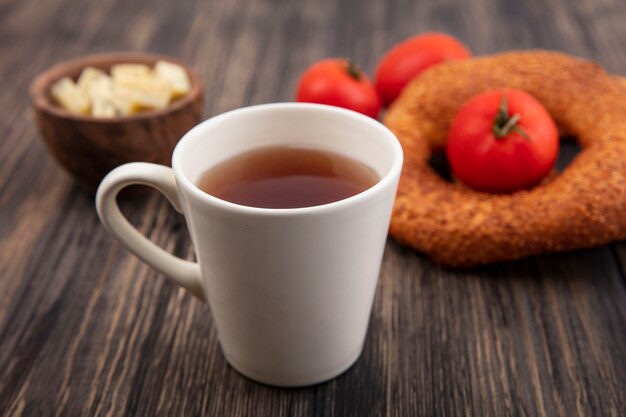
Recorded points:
(338, 82)
(502, 141)
(409, 58)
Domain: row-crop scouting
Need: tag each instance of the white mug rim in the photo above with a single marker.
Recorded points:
(382, 183)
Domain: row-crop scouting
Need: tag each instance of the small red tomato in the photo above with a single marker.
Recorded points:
(502, 141)
(410, 57)
(338, 82)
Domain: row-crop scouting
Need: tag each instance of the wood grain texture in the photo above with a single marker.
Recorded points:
(88, 330)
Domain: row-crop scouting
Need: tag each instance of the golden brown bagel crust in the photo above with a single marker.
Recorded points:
(583, 206)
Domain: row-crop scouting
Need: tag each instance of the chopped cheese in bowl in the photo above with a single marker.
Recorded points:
(128, 89)
(100, 111)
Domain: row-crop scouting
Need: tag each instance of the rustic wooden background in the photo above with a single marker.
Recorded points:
(88, 330)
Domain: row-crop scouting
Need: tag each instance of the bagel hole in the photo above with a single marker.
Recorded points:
(568, 150)
(439, 163)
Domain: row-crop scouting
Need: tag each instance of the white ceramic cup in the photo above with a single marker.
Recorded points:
(290, 290)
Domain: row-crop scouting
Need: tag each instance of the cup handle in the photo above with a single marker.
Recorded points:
(182, 272)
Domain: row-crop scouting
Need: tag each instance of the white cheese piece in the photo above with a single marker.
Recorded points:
(101, 88)
(88, 76)
(123, 101)
(70, 96)
(175, 76)
(129, 72)
(102, 108)
(130, 99)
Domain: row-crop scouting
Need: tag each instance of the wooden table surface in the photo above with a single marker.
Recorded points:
(88, 330)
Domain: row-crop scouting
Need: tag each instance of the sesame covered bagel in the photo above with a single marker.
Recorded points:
(582, 206)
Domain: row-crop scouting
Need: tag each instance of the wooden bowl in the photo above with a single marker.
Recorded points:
(90, 147)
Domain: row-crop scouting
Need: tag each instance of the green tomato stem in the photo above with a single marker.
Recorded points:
(504, 124)
(353, 70)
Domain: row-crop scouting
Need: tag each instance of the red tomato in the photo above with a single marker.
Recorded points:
(502, 141)
(338, 82)
(409, 58)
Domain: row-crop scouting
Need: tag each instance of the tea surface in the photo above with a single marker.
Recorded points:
(287, 177)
